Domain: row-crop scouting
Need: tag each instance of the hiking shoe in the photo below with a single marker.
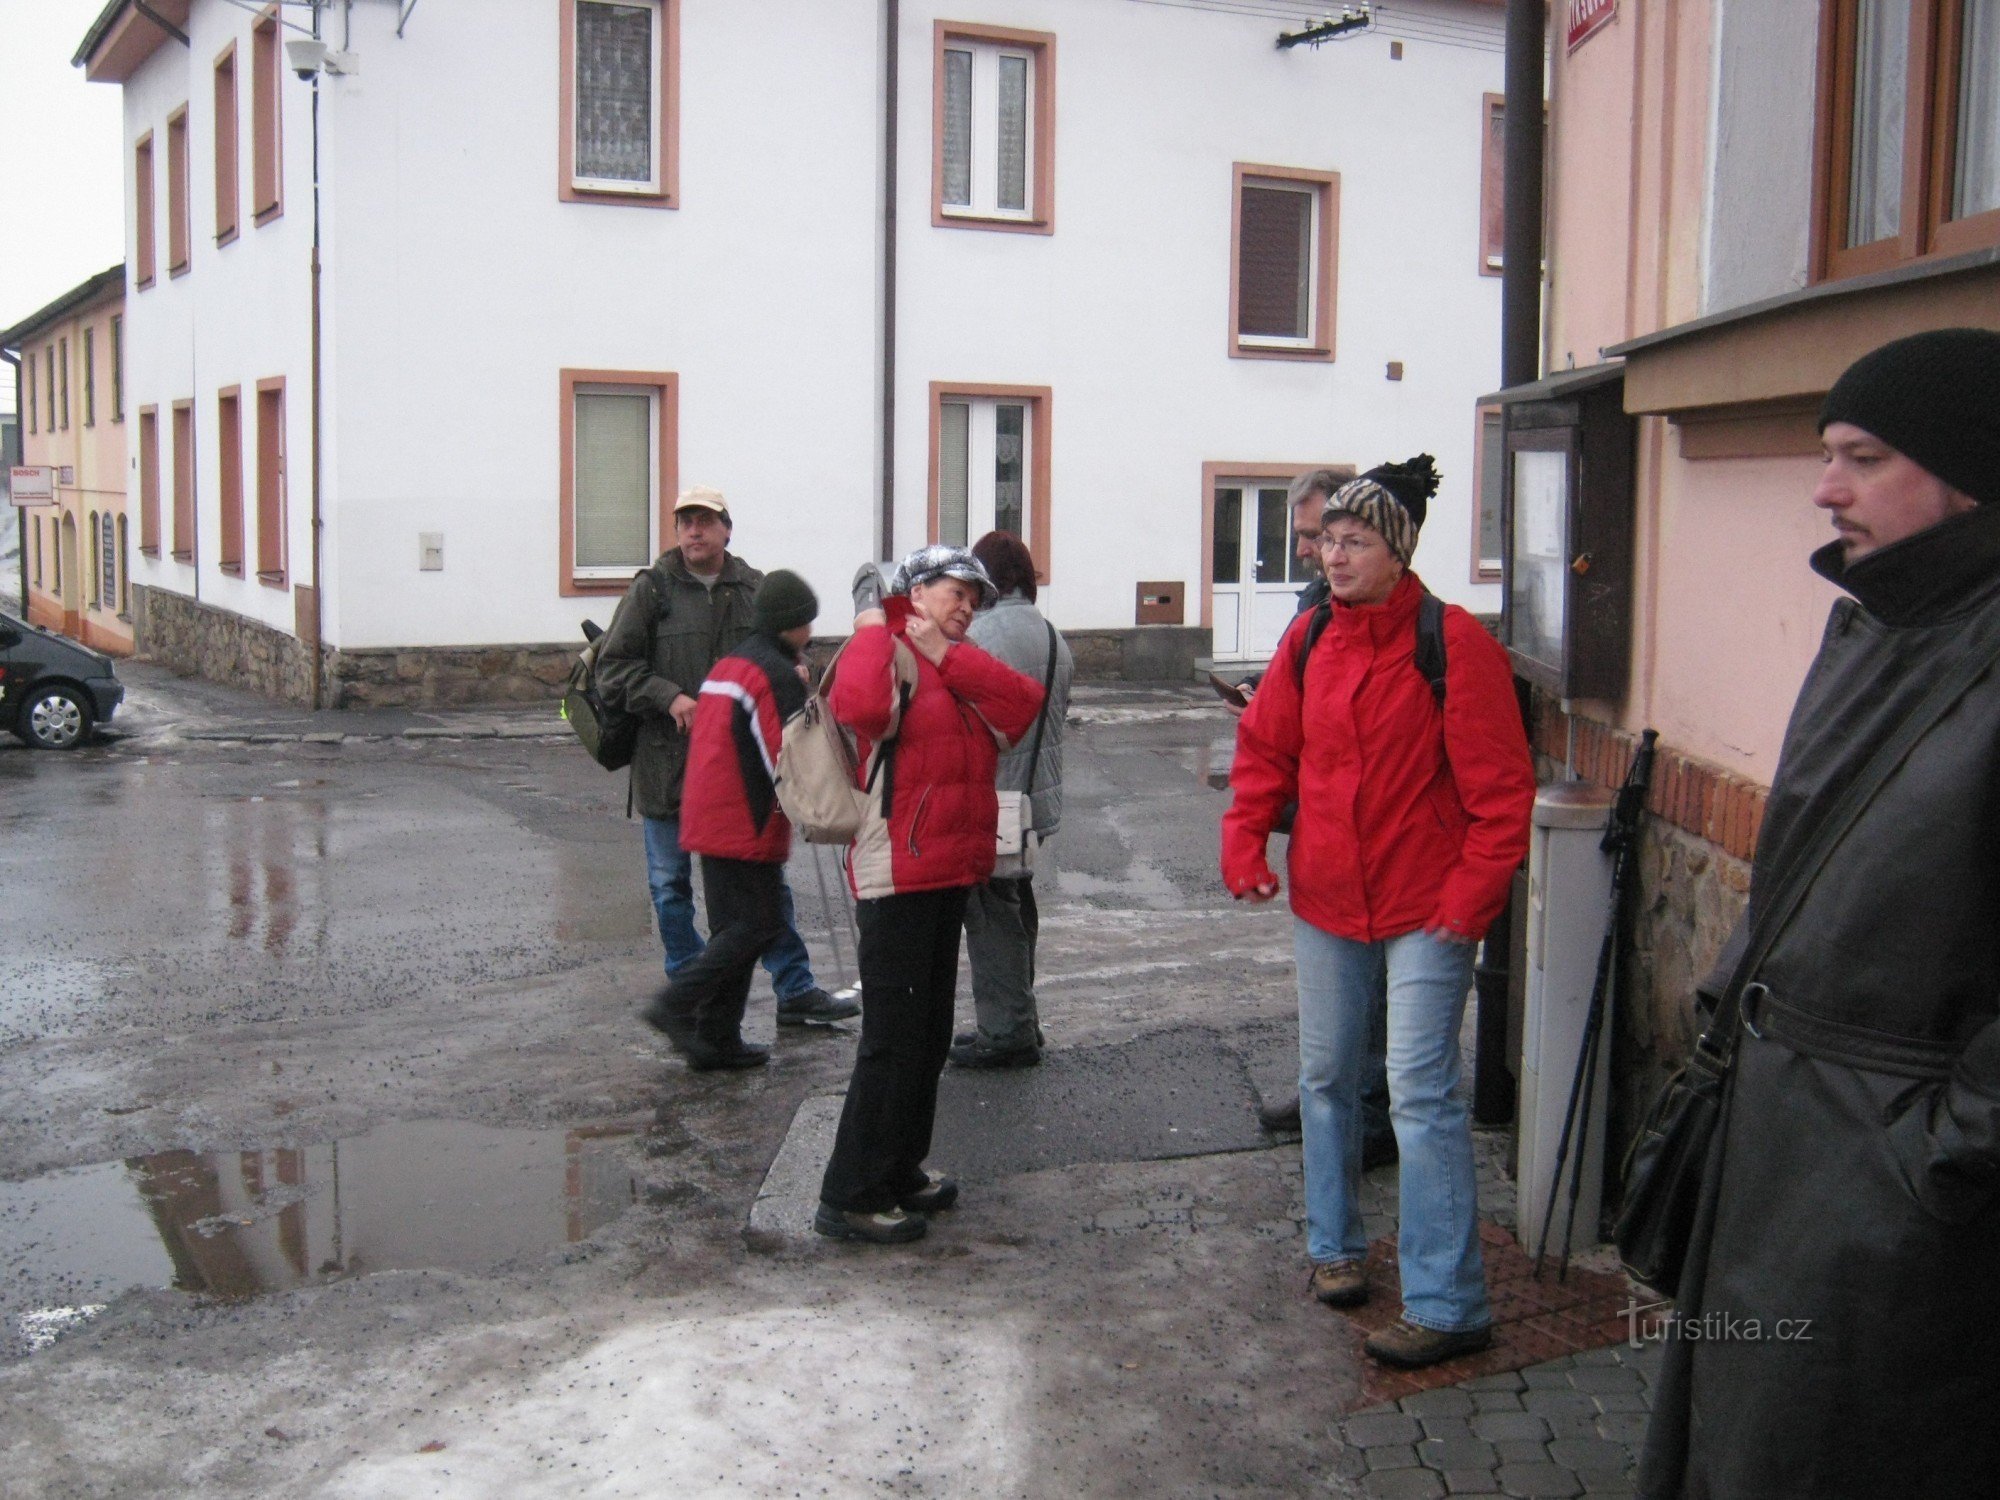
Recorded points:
(976, 1054)
(677, 1026)
(1378, 1151)
(1281, 1118)
(815, 1008)
(1339, 1283)
(967, 1038)
(717, 1057)
(936, 1195)
(1409, 1347)
(890, 1226)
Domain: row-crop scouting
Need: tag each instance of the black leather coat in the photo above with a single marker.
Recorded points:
(1842, 1299)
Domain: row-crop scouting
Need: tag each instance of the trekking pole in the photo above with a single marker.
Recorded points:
(1620, 841)
(826, 911)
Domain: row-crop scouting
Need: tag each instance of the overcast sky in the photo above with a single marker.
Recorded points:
(62, 204)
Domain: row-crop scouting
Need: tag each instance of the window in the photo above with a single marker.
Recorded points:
(993, 128)
(618, 465)
(229, 477)
(990, 466)
(184, 481)
(1491, 469)
(225, 146)
(149, 480)
(58, 412)
(90, 377)
(177, 192)
(107, 552)
(33, 399)
(1283, 231)
(124, 570)
(38, 554)
(1493, 184)
(271, 474)
(117, 369)
(96, 574)
(1908, 155)
(620, 102)
(267, 169)
(142, 209)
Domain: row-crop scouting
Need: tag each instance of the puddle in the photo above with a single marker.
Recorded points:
(232, 1224)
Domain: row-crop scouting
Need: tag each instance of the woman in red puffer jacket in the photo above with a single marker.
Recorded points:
(911, 869)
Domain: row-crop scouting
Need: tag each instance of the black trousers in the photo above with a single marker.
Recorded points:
(909, 976)
(745, 916)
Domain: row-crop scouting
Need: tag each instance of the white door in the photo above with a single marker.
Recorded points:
(1257, 575)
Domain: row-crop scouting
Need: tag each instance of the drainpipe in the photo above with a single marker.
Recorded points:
(20, 511)
(1521, 263)
(893, 24)
(318, 604)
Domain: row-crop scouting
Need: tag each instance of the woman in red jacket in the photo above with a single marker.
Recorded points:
(1413, 812)
(911, 868)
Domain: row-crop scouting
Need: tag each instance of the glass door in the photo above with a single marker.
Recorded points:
(1257, 574)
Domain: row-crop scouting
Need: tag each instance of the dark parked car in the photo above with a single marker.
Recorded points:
(53, 692)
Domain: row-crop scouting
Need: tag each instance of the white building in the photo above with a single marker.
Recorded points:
(1133, 267)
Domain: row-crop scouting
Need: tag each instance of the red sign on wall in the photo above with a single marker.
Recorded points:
(1587, 18)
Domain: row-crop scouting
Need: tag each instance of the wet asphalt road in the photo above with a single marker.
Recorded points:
(319, 1061)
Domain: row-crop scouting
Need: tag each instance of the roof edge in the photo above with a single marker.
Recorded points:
(77, 297)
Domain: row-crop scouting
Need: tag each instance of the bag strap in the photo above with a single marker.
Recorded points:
(1977, 656)
(1430, 654)
(1042, 718)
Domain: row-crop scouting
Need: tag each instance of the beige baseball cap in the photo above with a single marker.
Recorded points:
(701, 497)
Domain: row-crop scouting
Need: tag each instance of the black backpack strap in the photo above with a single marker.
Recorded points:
(1316, 625)
(1430, 643)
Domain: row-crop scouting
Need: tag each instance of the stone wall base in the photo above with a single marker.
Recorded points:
(197, 638)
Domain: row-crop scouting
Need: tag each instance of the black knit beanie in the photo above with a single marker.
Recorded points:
(784, 601)
(1392, 498)
(1934, 397)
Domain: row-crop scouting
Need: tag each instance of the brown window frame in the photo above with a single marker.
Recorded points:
(273, 541)
(1040, 401)
(179, 227)
(228, 166)
(1492, 184)
(229, 478)
(33, 395)
(1326, 257)
(665, 385)
(117, 340)
(145, 230)
(1929, 129)
(59, 362)
(1041, 215)
(184, 480)
(1483, 503)
(665, 192)
(267, 133)
(149, 481)
(89, 376)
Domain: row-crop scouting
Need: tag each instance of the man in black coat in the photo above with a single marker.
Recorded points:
(1835, 1330)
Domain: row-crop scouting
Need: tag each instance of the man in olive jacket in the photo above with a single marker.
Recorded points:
(1835, 1327)
(680, 616)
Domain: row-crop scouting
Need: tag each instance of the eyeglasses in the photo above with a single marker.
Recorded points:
(1353, 546)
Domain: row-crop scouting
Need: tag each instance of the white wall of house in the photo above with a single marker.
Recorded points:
(457, 286)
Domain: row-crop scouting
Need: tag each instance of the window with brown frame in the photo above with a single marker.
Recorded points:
(32, 396)
(267, 172)
(183, 481)
(1283, 251)
(617, 464)
(229, 477)
(177, 192)
(1490, 477)
(142, 208)
(993, 127)
(271, 481)
(226, 169)
(149, 480)
(60, 363)
(90, 377)
(1492, 183)
(619, 98)
(990, 465)
(1907, 163)
(118, 369)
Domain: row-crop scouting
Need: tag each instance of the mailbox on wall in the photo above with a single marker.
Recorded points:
(1567, 508)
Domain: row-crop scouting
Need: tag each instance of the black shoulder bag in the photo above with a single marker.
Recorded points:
(1667, 1166)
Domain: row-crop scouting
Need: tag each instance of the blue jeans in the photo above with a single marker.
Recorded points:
(1425, 979)
(670, 873)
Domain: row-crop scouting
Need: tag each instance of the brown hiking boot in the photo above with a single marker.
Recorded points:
(1340, 1283)
(1409, 1346)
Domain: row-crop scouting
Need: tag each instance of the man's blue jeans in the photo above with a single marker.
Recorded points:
(670, 873)
(1426, 980)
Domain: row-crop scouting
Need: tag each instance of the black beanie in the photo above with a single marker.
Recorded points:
(1393, 498)
(1933, 397)
(784, 602)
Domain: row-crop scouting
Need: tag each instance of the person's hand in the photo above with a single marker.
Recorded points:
(926, 639)
(682, 708)
(805, 674)
(1445, 933)
(870, 617)
(1261, 892)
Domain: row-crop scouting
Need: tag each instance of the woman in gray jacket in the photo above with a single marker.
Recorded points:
(1001, 921)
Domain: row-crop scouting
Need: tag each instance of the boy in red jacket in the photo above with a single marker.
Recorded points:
(731, 818)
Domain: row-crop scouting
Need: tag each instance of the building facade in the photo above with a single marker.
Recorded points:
(71, 389)
(427, 339)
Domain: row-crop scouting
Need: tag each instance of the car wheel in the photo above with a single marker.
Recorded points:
(55, 718)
